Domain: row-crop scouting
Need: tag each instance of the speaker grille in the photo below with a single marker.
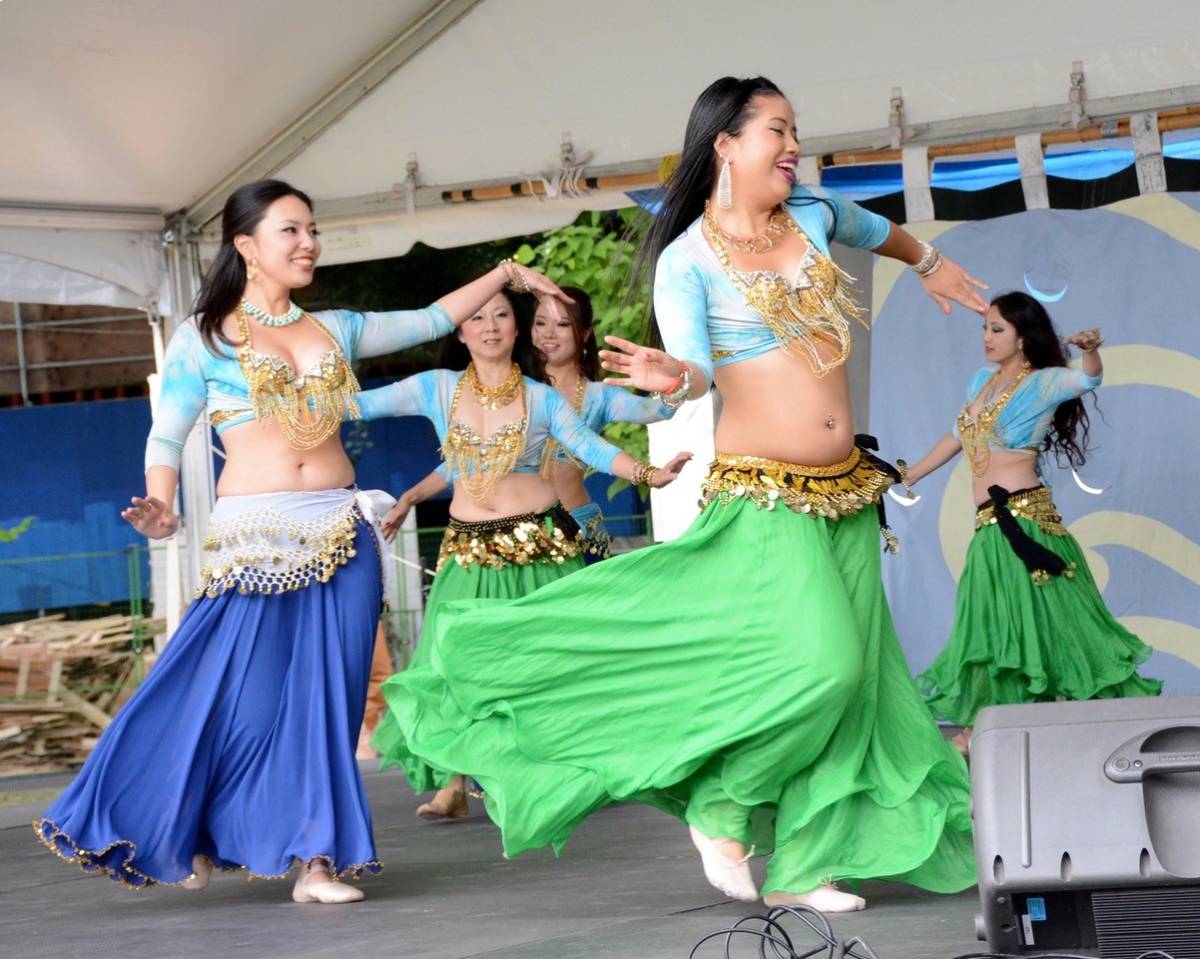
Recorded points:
(1132, 921)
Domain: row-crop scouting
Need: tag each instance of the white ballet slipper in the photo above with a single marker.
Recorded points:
(824, 898)
(731, 877)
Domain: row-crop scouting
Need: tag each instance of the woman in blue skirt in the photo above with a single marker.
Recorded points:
(238, 749)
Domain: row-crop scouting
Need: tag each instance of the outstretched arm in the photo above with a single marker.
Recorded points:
(431, 485)
(944, 450)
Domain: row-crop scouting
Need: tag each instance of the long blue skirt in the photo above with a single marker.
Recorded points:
(240, 743)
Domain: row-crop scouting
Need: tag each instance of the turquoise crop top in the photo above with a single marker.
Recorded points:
(195, 379)
(547, 414)
(702, 316)
(1027, 416)
(605, 403)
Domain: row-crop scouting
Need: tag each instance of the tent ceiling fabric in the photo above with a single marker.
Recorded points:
(147, 104)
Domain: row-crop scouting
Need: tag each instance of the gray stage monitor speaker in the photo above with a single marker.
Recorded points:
(1087, 827)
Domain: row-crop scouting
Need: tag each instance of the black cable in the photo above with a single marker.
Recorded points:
(773, 934)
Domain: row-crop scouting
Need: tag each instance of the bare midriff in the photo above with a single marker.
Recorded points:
(515, 494)
(774, 406)
(259, 459)
(567, 480)
(1011, 469)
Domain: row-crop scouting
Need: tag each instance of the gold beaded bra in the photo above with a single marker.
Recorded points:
(809, 314)
(978, 432)
(482, 463)
(309, 406)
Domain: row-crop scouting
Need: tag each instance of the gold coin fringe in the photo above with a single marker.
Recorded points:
(511, 541)
(841, 489)
(91, 861)
(1036, 505)
(263, 552)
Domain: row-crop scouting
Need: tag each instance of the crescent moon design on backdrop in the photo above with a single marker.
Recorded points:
(1083, 486)
(903, 500)
(1042, 294)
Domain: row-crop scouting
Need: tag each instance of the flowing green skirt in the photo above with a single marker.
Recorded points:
(455, 582)
(745, 678)
(1016, 641)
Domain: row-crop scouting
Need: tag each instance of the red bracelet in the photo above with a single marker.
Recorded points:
(678, 382)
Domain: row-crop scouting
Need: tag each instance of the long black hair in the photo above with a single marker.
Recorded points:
(1068, 436)
(223, 284)
(454, 355)
(724, 107)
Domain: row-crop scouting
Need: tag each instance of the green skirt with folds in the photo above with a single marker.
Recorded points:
(1015, 640)
(745, 678)
(456, 581)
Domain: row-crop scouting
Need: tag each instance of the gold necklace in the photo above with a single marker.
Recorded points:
(494, 397)
(975, 432)
(759, 243)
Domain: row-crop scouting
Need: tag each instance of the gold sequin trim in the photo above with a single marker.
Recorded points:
(261, 551)
(89, 861)
(218, 418)
(841, 489)
(596, 538)
(1036, 505)
(509, 541)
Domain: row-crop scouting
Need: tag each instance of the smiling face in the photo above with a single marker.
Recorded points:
(492, 332)
(554, 333)
(1000, 340)
(763, 154)
(285, 244)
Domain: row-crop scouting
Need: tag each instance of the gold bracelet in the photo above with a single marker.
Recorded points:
(902, 469)
(643, 474)
(513, 278)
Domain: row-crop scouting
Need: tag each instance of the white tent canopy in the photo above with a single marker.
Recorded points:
(130, 110)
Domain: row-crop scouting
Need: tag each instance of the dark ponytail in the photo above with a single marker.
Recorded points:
(225, 281)
(1068, 436)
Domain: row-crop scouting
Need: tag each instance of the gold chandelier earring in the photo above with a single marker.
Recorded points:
(252, 270)
(725, 186)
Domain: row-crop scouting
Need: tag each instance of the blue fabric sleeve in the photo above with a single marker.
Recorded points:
(681, 310)
(1057, 384)
(445, 472)
(854, 226)
(621, 406)
(411, 396)
(374, 334)
(572, 434)
(181, 398)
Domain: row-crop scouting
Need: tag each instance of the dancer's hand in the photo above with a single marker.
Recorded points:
(151, 517)
(1086, 340)
(666, 475)
(643, 366)
(395, 518)
(536, 283)
(951, 283)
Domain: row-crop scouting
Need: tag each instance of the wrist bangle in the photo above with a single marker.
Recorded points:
(513, 280)
(930, 260)
(902, 469)
(674, 398)
(643, 474)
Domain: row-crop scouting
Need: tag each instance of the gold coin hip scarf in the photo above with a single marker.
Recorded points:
(829, 492)
(1037, 506)
(550, 537)
(308, 406)
(278, 542)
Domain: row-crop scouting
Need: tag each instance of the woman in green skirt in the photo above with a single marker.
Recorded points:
(746, 676)
(1029, 623)
(507, 535)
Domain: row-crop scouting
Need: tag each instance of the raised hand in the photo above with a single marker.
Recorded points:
(534, 282)
(151, 517)
(641, 366)
(951, 283)
(1086, 340)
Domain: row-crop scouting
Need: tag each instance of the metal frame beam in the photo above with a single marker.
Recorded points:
(332, 106)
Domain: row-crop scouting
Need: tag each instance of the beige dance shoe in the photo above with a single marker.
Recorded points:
(731, 877)
(202, 868)
(824, 898)
(330, 892)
